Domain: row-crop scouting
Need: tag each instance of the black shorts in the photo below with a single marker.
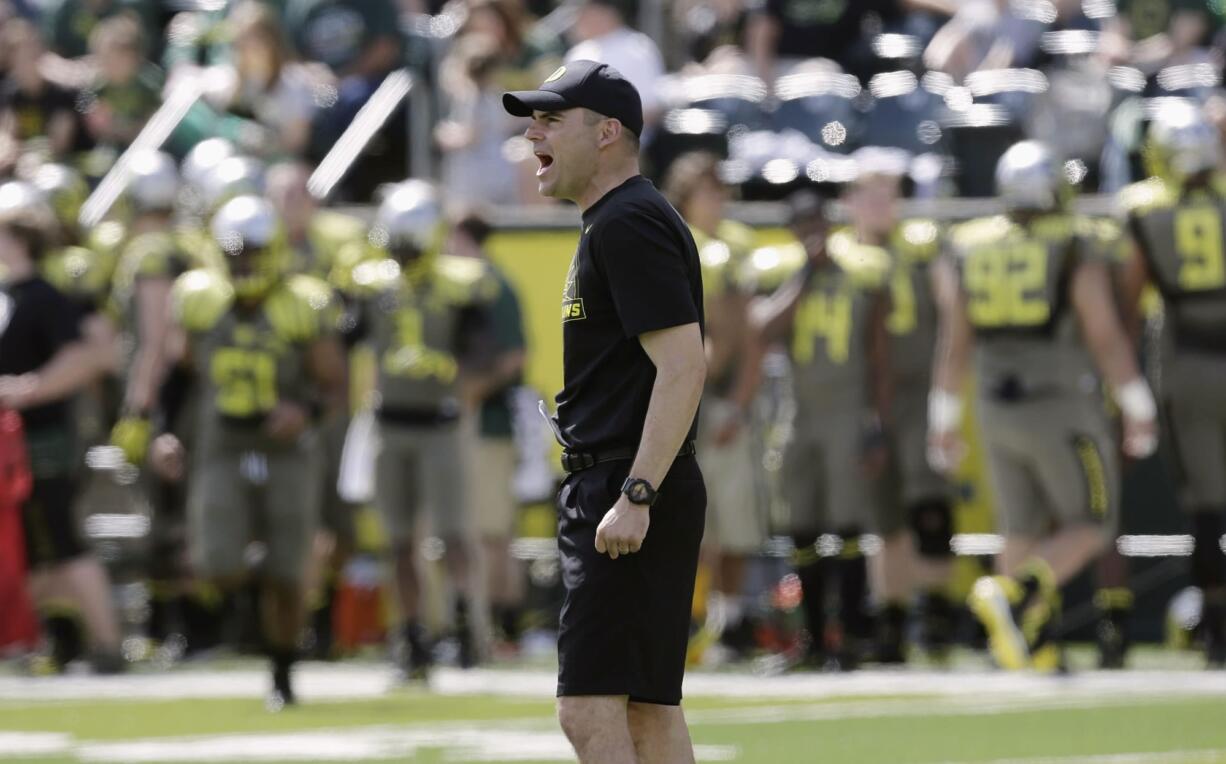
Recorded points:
(49, 523)
(625, 622)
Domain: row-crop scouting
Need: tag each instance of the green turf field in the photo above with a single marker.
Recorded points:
(1163, 713)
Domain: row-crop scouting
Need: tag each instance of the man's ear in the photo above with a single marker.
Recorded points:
(610, 132)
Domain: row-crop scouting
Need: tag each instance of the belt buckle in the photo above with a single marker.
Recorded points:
(573, 461)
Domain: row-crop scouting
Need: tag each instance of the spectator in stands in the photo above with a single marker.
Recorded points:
(31, 107)
(529, 51)
(780, 33)
(475, 171)
(358, 40)
(68, 25)
(1152, 34)
(986, 34)
(127, 89)
(601, 34)
(493, 502)
(271, 101)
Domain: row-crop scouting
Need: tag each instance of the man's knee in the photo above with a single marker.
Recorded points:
(584, 718)
(651, 719)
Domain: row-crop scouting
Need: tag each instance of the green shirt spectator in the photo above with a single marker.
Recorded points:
(128, 88)
(68, 24)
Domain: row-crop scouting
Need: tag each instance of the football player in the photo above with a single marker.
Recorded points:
(1031, 293)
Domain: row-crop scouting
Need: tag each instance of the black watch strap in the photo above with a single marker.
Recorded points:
(639, 492)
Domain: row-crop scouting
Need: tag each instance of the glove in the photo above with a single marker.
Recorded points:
(131, 435)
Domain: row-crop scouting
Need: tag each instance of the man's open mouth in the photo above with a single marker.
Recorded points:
(545, 160)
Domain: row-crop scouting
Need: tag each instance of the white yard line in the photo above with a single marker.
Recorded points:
(319, 682)
(1164, 757)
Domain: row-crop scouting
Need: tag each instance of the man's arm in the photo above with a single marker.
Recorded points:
(950, 362)
(1114, 357)
(681, 372)
(72, 368)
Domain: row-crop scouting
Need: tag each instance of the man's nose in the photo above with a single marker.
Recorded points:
(533, 133)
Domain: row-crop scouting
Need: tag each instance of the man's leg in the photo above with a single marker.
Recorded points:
(598, 728)
(1069, 550)
(660, 734)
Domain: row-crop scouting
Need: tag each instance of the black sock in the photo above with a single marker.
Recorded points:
(852, 568)
(811, 570)
(282, 660)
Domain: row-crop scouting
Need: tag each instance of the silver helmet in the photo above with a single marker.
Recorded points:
(234, 176)
(153, 181)
(1186, 141)
(244, 222)
(409, 215)
(203, 157)
(19, 198)
(249, 233)
(1029, 177)
(64, 189)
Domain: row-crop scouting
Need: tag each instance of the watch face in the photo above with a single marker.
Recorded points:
(638, 493)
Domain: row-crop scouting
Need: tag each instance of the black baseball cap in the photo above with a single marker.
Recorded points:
(582, 84)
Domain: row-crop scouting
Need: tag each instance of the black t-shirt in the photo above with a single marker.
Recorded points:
(36, 321)
(636, 271)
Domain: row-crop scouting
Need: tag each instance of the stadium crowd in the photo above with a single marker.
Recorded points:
(253, 363)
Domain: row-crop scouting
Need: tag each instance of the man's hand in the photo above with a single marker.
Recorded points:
(946, 450)
(623, 528)
(167, 458)
(287, 422)
(18, 391)
(1140, 437)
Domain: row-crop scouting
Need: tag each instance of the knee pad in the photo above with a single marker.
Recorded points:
(932, 521)
(1208, 561)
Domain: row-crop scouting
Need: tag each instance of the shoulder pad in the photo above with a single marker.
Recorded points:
(867, 265)
(332, 230)
(106, 237)
(77, 271)
(1145, 196)
(465, 279)
(200, 298)
(739, 237)
(768, 267)
(917, 240)
(300, 309)
(353, 268)
(978, 232)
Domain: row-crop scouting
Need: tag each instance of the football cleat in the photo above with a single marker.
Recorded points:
(992, 600)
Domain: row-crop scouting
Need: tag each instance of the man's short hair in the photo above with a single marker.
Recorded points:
(687, 173)
(474, 225)
(592, 117)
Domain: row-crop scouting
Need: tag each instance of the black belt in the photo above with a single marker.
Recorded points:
(577, 461)
(423, 417)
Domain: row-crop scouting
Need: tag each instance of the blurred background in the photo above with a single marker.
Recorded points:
(779, 95)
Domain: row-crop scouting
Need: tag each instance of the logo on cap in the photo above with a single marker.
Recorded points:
(557, 75)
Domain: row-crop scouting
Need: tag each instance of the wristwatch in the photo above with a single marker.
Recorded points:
(639, 492)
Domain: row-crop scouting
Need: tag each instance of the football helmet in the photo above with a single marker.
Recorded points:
(247, 230)
(1029, 178)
